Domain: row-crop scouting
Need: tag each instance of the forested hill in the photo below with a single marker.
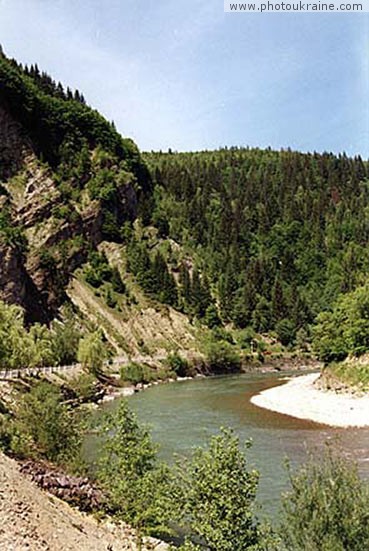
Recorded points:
(279, 236)
(251, 239)
(68, 180)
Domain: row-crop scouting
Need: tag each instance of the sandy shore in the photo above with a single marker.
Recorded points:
(299, 398)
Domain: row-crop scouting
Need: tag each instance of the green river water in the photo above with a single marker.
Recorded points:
(184, 414)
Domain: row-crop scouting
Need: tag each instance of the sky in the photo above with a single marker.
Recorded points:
(182, 74)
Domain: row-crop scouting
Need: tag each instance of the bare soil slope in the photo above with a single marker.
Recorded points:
(32, 520)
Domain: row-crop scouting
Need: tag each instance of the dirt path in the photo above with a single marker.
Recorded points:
(33, 520)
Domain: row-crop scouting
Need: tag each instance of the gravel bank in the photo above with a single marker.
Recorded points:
(300, 398)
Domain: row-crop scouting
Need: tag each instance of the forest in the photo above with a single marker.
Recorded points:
(271, 243)
(278, 237)
(274, 242)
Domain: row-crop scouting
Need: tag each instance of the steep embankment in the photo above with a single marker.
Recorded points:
(67, 180)
(138, 327)
(32, 520)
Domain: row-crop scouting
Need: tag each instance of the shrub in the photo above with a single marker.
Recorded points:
(65, 338)
(116, 281)
(137, 485)
(222, 357)
(217, 496)
(49, 424)
(84, 386)
(175, 363)
(92, 352)
(326, 508)
(286, 331)
(135, 373)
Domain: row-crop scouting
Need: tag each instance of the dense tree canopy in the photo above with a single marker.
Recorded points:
(278, 236)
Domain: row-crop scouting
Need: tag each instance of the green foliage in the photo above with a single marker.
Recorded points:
(47, 261)
(222, 357)
(353, 373)
(65, 340)
(42, 347)
(16, 344)
(217, 495)
(84, 386)
(211, 317)
(98, 269)
(53, 121)
(177, 364)
(110, 299)
(79, 145)
(135, 373)
(10, 233)
(286, 331)
(326, 508)
(47, 425)
(37, 347)
(279, 235)
(137, 486)
(116, 281)
(92, 352)
(344, 330)
(152, 274)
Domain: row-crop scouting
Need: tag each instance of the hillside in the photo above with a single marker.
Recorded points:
(168, 251)
(55, 154)
(279, 235)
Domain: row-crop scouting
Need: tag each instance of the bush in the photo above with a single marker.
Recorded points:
(217, 494)
(345, 330)
(136, 373)
(286, 331)
(110, 299)
(137, 485)
(116, 281)
(92, 277)
(175, 363)
(92, 352)
(65, 338)
(326, 508)
(48, 424)
(222, 357)
(84, 386)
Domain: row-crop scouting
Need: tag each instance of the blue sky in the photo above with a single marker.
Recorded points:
(182, 74)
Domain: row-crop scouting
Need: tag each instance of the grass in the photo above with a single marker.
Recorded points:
(352, 372)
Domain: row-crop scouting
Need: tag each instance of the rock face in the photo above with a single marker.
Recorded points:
(17, 287)
(59, 230)
(14, 145)
(12, 275)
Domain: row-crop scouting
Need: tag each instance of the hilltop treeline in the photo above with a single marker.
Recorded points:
(260, 239)
(279, 236)
(64, 130)
(56, 119)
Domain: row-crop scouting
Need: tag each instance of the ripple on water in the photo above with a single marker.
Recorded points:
(183, 415)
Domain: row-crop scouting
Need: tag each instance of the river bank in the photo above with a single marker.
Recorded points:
(271, 366)
(301, 398)
(32, 519)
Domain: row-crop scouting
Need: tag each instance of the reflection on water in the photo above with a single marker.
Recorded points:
(185, 414)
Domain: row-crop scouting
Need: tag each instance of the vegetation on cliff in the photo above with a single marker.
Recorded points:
(263, 242)
(277, 236)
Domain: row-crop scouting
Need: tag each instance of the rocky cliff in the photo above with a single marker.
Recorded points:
(49, 221)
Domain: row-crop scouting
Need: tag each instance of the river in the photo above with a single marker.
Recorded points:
(185, 414)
